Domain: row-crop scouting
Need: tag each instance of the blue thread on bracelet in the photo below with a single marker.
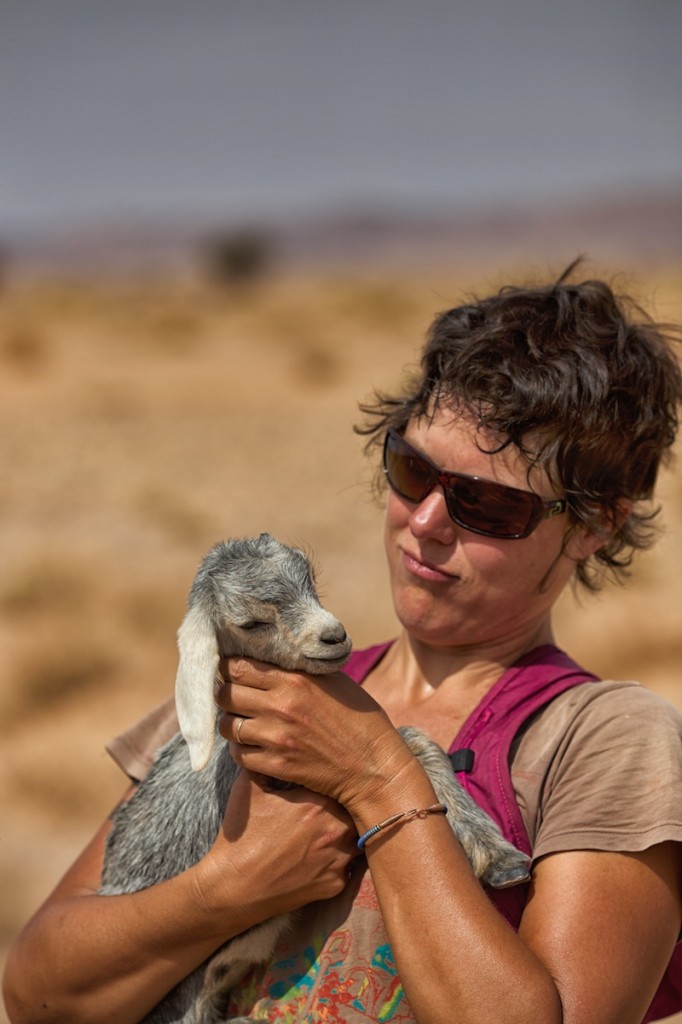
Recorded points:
(416, 812)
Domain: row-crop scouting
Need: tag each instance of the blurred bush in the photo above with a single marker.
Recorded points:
(239, 257)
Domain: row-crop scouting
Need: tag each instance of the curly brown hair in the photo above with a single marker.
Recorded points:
(581, 381)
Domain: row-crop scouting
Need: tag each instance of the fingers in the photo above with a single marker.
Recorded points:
(258, 675)
(242, 691)
(253, 690)
(236, 704)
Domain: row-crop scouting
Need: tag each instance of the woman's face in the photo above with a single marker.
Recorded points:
(454, 588)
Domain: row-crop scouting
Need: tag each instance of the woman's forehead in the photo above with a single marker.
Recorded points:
(456, 440)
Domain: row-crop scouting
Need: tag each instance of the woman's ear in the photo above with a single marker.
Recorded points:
(581, 542)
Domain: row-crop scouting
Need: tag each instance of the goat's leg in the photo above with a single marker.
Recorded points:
(229, 964)
(494, 860)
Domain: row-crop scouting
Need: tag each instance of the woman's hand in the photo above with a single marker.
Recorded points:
(322, 732)
(294, 845)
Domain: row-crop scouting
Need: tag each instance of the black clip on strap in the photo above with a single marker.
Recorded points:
(462, 760)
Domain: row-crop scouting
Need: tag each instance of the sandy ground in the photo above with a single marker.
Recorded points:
(140, 423)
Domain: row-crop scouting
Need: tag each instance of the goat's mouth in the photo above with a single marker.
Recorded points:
(331, 660)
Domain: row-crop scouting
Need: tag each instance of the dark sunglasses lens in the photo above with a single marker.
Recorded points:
(407, 473)
(492, 508)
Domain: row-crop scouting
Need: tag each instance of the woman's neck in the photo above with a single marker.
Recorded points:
(425, 668)
(436, 689)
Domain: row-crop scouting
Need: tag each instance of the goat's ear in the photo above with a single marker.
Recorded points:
(194, 701)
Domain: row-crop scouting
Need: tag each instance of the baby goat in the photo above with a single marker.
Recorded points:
(254, 598)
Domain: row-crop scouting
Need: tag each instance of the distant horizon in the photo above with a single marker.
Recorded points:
(628, 229)
(339, 208)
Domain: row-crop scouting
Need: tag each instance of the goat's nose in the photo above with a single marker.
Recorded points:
(333, 635)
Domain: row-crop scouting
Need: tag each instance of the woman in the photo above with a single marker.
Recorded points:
(520, 459)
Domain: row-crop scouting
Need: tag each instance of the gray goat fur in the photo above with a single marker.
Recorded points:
(255, 598)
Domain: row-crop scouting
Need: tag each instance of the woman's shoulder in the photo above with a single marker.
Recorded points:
(601, 767)
(612, 705)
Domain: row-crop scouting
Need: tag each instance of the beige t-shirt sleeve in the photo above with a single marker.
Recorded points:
(135, 750)
(601, 768)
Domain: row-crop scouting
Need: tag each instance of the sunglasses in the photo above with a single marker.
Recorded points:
(482, 506)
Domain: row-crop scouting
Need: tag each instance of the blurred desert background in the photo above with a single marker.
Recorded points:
(222, 226)
(143, 419)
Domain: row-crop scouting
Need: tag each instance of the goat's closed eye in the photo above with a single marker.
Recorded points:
(253, 624)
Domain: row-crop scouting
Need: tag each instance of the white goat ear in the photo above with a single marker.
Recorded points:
(194, 700)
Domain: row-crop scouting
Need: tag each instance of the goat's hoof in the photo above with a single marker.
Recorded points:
(508, 877)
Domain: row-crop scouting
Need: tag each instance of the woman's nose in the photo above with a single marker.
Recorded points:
(431, 519)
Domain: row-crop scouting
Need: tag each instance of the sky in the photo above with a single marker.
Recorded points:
(235, 109)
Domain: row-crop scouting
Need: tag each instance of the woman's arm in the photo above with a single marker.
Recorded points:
(605, 925)
(599, 928)
(90, 958)
(596, 936)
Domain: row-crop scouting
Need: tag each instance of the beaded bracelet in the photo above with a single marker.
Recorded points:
(416, 812)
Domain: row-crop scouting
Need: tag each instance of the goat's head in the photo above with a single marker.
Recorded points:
(255, 598)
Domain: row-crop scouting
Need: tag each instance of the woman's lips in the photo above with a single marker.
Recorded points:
(424, 570)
